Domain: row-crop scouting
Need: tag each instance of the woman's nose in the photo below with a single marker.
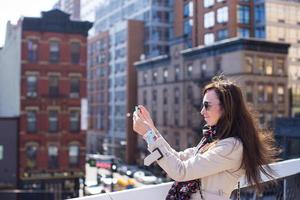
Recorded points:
(202, 110)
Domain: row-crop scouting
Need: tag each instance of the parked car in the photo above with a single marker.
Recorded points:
(128, 170)
(94, 188)
(145, 177)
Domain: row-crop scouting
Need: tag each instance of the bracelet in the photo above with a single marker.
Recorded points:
(150, 137)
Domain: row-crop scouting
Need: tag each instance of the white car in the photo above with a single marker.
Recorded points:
(94, 189)
(145, 177)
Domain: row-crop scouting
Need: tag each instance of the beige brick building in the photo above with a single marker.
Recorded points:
(170, 86)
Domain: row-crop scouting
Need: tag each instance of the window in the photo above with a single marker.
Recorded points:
(154, 116)
(187, 28)
(203, 69)
(177, 72)
(154, 96)
(165, 96)
(244, 32)
(31, 121)
(53, 121)
(145, 97)
(176, 95)
(73, 155)
(52, 157)
(280, 94)
(1, 152)
(145, 77)
(188, 9)
(222, 34)
(261, 65)
(189, 71)
(177, 141)
(31, 155)
(249, 93)
(261, 93)
(154, 76)
(243, 14)
(31, 86)
(269, 93)
(269, 66)
(165, 117)
(75, 52)
(209, 38)
(259, 13)
(74, 121)
(280, 66)
(209, 19)
(32, 50)
(260, 32)
(165, 75)
(249, 64)
(208, 3)
(261, 118)
(218, 65)
(222, 15)
(54, 52)
(75, 87)
(190, 95)
(53, 86)
(190, 140)
(268, 119)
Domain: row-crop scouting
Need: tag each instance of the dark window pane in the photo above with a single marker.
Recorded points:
(74, 155)
(31, 121)
(53, 86)
(31, 86)
(31, 154)
(75, 87)
(74, 121)
(32, 50)
(53, 157)
(75, 52)
(54, 52)
(53, 121)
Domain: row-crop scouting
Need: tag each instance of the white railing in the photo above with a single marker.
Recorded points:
(283, 169)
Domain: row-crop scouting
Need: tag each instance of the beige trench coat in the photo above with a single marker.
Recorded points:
(218, 167)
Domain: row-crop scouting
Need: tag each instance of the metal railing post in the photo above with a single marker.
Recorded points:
(284, 189)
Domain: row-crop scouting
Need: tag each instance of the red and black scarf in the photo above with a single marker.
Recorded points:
(184, 190)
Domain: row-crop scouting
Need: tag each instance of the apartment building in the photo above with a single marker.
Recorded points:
(170, 86)
(279, 20)
(46, 57)
(136, 29)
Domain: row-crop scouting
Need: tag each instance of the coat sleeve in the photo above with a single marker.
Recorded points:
(182, 155)
(225, 155)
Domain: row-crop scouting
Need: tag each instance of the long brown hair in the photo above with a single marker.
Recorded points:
(237, 121)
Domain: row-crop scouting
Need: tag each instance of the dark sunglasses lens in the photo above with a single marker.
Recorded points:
(205, 105)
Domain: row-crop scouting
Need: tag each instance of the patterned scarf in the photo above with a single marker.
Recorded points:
(184, 190)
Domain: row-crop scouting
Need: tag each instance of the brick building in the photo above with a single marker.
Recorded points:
(52, 89)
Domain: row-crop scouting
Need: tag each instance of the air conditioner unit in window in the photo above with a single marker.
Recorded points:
(74, 95)
(31, 94)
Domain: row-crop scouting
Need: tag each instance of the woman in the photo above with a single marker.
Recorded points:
(231, 146)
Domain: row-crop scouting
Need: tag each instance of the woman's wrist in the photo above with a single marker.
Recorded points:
(150, 137)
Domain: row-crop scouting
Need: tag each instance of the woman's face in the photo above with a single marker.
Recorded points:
(211, 109)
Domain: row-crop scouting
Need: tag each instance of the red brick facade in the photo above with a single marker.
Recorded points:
(53, 83)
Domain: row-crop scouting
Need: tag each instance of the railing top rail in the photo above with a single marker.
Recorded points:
(283, 169)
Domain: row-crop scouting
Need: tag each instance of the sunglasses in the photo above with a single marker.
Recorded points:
(207, 106)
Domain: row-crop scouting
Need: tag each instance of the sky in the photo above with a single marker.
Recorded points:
(12, 10)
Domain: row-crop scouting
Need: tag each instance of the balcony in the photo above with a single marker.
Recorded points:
(288, 187)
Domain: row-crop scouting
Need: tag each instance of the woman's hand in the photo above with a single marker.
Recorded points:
(146, 116)
(140, 125)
